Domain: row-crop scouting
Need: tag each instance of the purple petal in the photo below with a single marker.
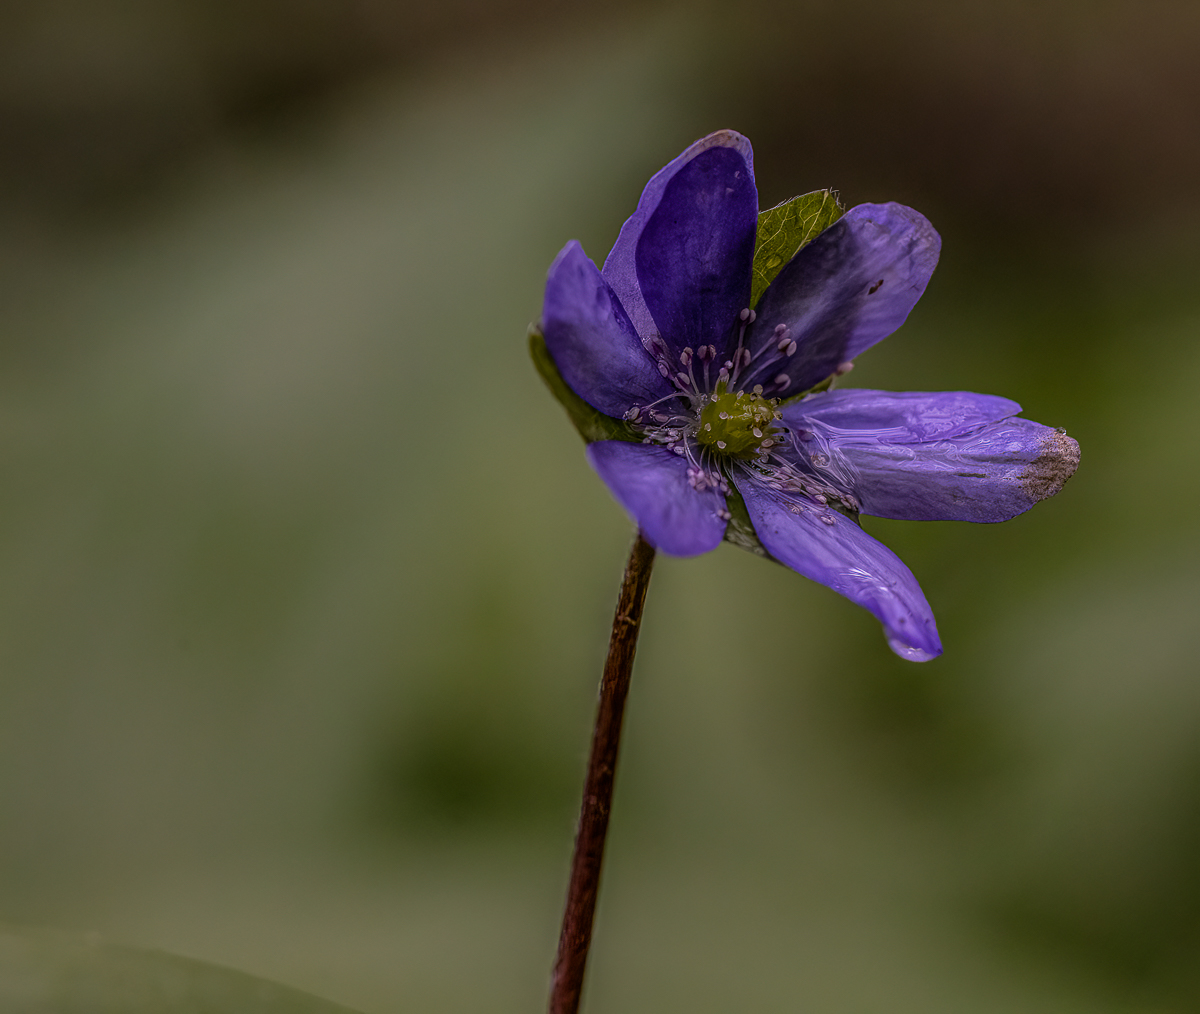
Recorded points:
(592, 341)
(849, 288)
(952, 456)
(734, 155)
(651, 484)
(829, 548)
(694, 255)
(900, 417)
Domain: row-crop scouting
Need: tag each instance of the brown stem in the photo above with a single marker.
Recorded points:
(598, 787)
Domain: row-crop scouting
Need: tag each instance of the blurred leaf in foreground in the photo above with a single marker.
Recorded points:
(46, 972)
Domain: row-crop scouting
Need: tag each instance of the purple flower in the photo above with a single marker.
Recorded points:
(714, 409)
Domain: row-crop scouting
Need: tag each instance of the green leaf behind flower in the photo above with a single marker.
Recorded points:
(784, 229)
(47, 972)
(592, 424)
(740, 530)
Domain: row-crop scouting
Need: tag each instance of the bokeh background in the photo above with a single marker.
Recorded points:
(305, 583)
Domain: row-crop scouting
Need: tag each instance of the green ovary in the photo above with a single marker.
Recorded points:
(736, 424)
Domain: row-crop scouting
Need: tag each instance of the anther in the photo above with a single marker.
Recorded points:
(790, 350)
(632, 414)
(745, 314)
(783, 381)
(662, 368)
(685, 356)
(757, 433)
(844, 368)
(683, 379)
(721, 444)
(758, 389)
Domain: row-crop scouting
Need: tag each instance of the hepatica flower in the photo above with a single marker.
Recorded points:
(698, 362)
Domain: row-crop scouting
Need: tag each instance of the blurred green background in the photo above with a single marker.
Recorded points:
(305, 583)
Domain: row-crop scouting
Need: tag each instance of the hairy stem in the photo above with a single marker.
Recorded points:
(576, 934)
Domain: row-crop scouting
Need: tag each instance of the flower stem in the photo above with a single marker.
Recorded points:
(576, 937)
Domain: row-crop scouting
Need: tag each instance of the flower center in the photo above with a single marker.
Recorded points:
(737, 424)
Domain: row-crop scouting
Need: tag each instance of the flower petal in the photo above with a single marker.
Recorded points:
(592, 341)
(700, 223)
(952, 456)
(695, 252)
(829, 548)
(651, 484)
(849, 288)
(907, 417)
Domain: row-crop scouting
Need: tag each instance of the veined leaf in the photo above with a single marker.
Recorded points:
(784, 229)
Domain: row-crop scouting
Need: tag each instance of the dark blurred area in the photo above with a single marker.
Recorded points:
(1042, 117)
(305, 583)
(99, 100)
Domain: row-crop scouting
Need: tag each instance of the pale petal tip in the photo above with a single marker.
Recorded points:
(911, 653)
(1054, 465)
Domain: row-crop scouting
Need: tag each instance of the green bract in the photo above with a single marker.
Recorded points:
(784, 229)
